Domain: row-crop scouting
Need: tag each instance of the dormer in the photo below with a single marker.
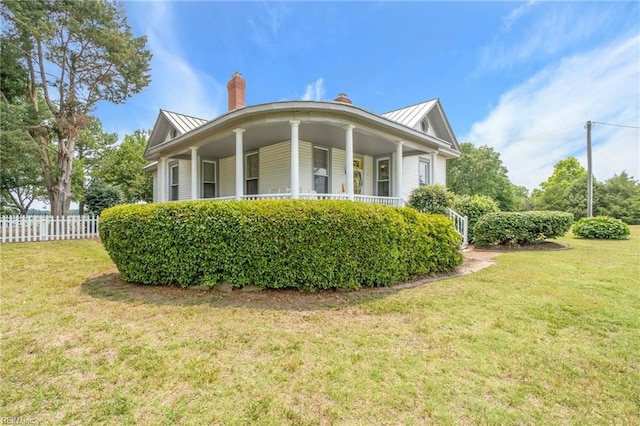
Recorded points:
(170, 125)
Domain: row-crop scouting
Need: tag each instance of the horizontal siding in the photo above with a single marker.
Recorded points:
(227, 176)
(305, 171)
(368, 175)
(275, 168)
(410, 174)
(184, 179)
(441, 170)
(338, 174)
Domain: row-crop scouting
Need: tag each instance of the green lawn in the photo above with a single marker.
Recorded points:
(538, 338)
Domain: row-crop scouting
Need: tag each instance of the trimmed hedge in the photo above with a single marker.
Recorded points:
(431, 199)
(521, 227)
(601, 227)
(307, 245)
(474, 207)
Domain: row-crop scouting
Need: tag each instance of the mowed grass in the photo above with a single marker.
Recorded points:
(539, 338)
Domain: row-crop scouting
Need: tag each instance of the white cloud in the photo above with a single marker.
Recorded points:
(512, 17)
(176, 84)
(314, 91)
(554, 104)
(550, 33)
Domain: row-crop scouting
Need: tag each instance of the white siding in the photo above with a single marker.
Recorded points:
(338, 174)
(184, 179)
(411, 175)
(227, 176)
(305, 154)
(275, 168)
(368, 175)
(441, 170)
(154, 176)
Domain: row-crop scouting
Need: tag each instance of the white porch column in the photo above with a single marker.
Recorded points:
(194, 172)
(399, 169)
(434, 167)
(162, 179)
(295, 160)
(349, 162)
(239, 164)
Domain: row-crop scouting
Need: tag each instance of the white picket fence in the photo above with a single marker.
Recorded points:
(46, 228)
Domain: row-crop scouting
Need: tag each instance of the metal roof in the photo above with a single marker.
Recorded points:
(183, 123)
(411, 115)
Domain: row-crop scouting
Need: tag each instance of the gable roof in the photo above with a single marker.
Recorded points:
(411, 116)
(168, 120)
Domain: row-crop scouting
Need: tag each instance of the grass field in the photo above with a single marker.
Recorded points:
(539, 338)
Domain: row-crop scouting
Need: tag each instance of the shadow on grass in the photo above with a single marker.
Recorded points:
(111, 287)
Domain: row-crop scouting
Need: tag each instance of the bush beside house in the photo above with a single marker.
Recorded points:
(433, 199)
(601, 227)
(521, 227)
(306, 245)
(474, 207)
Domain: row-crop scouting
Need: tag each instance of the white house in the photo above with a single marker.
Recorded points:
(300, 149)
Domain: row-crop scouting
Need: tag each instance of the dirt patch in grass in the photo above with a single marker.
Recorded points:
(112, 287)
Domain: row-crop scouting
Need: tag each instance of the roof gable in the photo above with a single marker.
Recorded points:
(170, 125)
(412, 116)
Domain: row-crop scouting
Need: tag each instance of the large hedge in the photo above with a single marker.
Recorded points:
(521, 227)
(277, 243)
(474, 207)
(601, 227)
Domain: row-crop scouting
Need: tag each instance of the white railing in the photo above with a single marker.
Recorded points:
(387, 201)
(46, 228)
(461, 224)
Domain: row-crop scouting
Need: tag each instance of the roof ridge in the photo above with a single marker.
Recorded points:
(409, 106)
(184, 115)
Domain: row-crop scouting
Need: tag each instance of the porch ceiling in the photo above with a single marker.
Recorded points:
(365, 141)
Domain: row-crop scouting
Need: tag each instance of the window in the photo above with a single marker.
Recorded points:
(208, 179)
(174, 182)
(251, 174)
(425, 171)
(321, 170)
(383, 176)
(424, 124)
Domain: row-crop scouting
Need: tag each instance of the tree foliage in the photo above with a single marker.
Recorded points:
(76, 54)
(479, 171)
(620, 198)
(101, 195)
(122, 166)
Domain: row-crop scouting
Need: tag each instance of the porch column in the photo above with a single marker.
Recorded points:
(162, 179)
(194, 172)
(434, 167)
(399, 169)
(239, 164)
(349, 162)
(295, 160)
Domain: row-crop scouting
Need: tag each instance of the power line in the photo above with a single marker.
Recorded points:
(616, 125)
(542, 134)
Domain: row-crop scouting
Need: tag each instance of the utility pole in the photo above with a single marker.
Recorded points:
(589, 174)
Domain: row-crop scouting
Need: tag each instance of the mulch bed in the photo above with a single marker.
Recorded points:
(543, 246)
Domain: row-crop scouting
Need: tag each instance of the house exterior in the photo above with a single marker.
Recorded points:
(300, 149)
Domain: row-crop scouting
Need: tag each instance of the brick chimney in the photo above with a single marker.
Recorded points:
(236, 88)
(342, 97)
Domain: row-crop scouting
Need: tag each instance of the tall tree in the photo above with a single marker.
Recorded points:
(77, 53)
(90, 147)
(479, 171)
(565, 189)
(620, 198)
(121, 167)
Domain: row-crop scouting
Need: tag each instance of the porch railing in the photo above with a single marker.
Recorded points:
(461, 224)
(46, 228)
(388, 201)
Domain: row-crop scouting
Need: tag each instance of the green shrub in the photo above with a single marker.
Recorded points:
(307, 245)
(101, 195)
(431, 199)
(474, 207)
(601, 227)
(521, 227)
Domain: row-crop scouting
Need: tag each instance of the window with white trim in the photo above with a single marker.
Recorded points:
(251, 173)
(424, 171)
(321, 170)
(174, 183)
(208, 179)
(383, 176)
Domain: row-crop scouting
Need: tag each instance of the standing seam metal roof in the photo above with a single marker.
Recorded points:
(410, 116)
(183, 123)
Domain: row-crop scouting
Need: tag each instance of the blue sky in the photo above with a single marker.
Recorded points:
(522, 77)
